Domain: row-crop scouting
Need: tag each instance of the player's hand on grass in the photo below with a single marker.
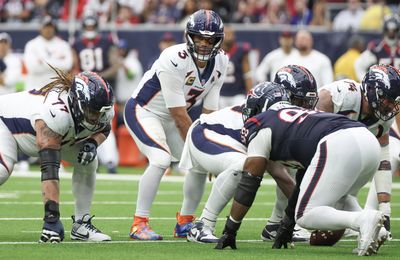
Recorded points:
(284, 235)
(52, 232)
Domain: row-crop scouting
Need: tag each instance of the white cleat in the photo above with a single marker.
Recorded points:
(201, 233)
(84, 230)
(371, 222)
(350, 233)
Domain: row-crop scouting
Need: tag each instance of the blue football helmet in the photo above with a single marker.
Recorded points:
(91, 100)
(90, 27)
(391, 28)
(262, 97)
(381, 88)
(206, 24)
(300, 83)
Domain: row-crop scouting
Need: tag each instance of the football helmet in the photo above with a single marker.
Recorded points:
(90, 27)
(207, 25)
(300, 83)
(381, 88)
(262, 97)
(91, 100)
(391, 29)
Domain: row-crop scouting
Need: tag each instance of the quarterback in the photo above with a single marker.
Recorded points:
(66, 119)
(157, 113)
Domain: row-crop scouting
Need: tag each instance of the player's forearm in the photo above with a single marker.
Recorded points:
(183, 126)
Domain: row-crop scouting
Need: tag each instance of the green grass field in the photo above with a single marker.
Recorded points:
(21, 213)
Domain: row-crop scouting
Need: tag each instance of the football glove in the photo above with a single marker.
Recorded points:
(52, 232)
(88, 152)
(284, 235)
(228, 235)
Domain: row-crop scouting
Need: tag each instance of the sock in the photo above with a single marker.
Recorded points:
(221, 193)
(83, 185)
(193, 189)
(148, 186)
(279, 208)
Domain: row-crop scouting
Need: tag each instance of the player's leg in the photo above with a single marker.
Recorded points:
(107, 153)
(149, 135)
(8, 153)
(83, 186)
(326, 181)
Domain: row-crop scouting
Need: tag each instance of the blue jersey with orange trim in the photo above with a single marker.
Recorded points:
(296, 132)
(234, 83)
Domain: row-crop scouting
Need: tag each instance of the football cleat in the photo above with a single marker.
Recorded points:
(299, 234)
(201, 233)
(84, 230)
(350, 233)
(183, 225)
(370, 224)
(142, 231)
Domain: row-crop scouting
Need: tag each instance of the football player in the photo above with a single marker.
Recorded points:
(213, 145)
(96, 52)
(157, 113)
(66, 119)
(381, 51)
(374, 102)
(312, 142)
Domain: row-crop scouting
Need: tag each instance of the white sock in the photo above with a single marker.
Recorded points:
(148, 186)
(328, 218)
(221, 193)
(193, 189)
(83, 185)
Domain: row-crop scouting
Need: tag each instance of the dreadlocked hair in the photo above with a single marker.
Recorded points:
(62, 82)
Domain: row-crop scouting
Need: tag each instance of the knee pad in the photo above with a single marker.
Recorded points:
(247, 189)
(4, 175)
(161, 160)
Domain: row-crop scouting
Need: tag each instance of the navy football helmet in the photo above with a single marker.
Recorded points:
(391, 28)
(205, 24)
(381, 88)
(262, 97)
(91, 101)
(300, 83)
(90, 26)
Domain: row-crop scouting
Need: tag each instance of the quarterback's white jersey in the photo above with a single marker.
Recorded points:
(186, 83)
(346, 98)
(19, 111)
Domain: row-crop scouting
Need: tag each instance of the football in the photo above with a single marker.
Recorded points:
(325, 237)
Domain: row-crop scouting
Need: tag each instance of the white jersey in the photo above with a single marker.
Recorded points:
(185, 84)
(346, 98)
(19, 111)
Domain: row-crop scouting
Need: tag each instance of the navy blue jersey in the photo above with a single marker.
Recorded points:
(296, 132)
(93, 54)
(234, 83)
(383, 52)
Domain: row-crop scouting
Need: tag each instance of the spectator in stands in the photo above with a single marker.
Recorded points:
(100, 8)
(65, 12)
(276, 13)
(316, 62)
(373, 15)
(129, 74)
(245, 13)
(276, 59)
(10, 66)
(239, 76)
(319, 17)
(136, 6)
(349, 19)
(166, 12)
(189, 7)
(385, 50)
(43, 50)
(302, 15)
(46, 7)
(126, 16)
(344, 66)
(17, 10)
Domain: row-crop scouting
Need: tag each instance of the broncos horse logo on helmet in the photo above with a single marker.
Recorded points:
(205, 24)
(91, 100)
(262, 97)
(300, 83)
(381, 88)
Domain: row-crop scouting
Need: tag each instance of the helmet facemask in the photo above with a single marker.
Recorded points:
(200, 51)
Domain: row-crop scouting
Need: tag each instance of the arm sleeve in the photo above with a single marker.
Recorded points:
(260, 145)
